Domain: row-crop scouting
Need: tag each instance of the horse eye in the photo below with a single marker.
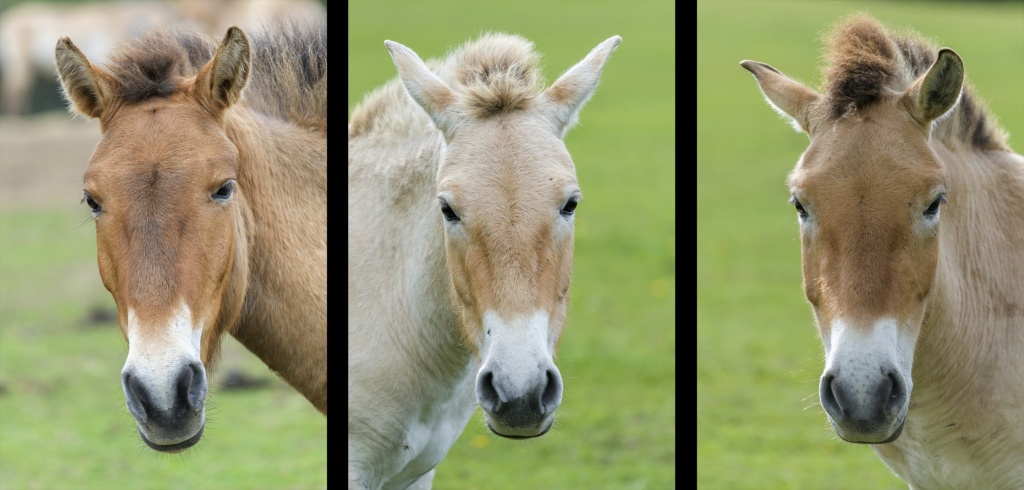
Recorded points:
(446, 210)
(570, 207)
(933, 208)
(95, 206)
(800, 211)
(224, 192)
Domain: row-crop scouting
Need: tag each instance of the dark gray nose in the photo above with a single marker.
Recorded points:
(189, 397)
(862, 406)
(496, 395)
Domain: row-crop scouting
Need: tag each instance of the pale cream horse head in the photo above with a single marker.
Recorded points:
(507, 193)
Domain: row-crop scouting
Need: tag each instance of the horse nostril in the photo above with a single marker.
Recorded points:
(192, 386)
(829, 400)
(552, 394)
(896, 392)
(136, 397)
(489, 395)
(885, 389)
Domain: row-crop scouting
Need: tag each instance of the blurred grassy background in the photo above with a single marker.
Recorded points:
(46, 93)
(759, 423)
(616, 426)
(63, 421)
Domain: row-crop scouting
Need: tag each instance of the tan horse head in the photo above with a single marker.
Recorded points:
(868, 192)
(911, 210)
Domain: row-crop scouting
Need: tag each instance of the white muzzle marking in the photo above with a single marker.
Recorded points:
(518, 385)
(866, 384)
(156, 358)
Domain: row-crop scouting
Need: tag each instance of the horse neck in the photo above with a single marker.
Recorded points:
(975, 319)
(283, 173)
(397, 239)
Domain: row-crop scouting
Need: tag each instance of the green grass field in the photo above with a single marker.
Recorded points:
(759, 423)
(63, 422)
(616, 426)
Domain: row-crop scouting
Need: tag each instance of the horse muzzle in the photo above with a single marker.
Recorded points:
(170, 416)
(865, 411)
(517, 410)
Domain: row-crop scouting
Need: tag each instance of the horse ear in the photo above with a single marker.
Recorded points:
(791, 99)
(86, 87)
(432, 94)
(219, 84)
(564, 98)
(937, 92)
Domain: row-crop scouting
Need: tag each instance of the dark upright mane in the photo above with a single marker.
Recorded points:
(288, 78)
(864, 59)
(153, 65)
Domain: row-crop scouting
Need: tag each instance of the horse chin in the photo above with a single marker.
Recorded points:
(892, 437)
(520, 436)
(176, 447)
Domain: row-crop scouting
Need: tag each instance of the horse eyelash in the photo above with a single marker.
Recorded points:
(800, 209)
(97, 210)
(90, 219)
(941, 199)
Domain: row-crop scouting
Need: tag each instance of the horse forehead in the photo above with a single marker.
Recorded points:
(177, 113)
(515, 141)
(868, 157)
(163, 138)
(500, 178)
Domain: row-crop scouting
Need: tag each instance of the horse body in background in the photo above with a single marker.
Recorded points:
(922, 318)
(461, 205)
(218, 15)
(210, 209)
(28, 30)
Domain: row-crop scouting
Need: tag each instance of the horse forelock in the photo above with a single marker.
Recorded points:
(864, 61)
(491, 75)
(156, 64)
(494, 74)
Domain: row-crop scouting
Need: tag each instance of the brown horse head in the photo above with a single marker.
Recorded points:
(170, 216)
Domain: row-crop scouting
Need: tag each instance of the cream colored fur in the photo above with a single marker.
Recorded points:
(460, 252)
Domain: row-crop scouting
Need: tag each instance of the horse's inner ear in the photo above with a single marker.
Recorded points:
(565, 98)
(791, 99)
(81, 83)
(938, 91)
(221, 81)
(430, 92)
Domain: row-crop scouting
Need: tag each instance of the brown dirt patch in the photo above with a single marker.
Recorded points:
(43, 158)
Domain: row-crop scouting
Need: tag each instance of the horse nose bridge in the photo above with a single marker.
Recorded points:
(859, 345)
